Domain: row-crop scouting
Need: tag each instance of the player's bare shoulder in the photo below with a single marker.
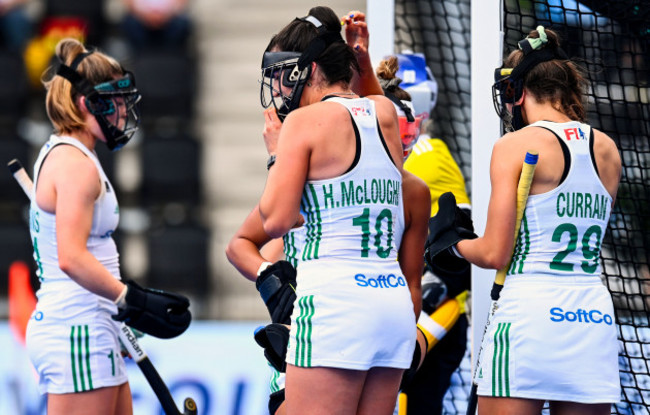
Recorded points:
(415, 190)
(608, 161)
(69, 160)
(605, 148)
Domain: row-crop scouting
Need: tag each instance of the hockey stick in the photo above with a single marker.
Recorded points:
(125, 334)
(523, 188)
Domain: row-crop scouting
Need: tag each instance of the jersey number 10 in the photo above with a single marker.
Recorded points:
(363, 221)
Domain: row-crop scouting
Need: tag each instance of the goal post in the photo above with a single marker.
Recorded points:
(486, 129)
(463, 41)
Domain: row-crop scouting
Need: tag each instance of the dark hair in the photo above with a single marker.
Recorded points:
(559, 81)
(386, 71)
(338, 61)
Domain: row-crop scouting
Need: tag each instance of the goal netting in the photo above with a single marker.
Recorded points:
(611, 38)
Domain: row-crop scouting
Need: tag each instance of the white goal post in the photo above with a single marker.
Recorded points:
(486, 126)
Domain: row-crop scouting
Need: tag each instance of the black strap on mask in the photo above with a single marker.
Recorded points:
(535, 57)
(405, 108)
(70, 73)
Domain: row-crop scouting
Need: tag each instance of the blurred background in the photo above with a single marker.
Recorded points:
(185, 182)
(197, 166)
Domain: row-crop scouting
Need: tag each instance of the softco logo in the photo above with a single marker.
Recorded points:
(581, 316)
(382, 281)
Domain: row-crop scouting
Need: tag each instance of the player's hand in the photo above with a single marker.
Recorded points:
(155, 312)
(299, 222)
(356, 32)
(274, 339)
(449, 226)
(434, 292)
(277, 287)
(271, 132)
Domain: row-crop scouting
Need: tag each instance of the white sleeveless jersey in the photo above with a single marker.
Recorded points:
(562, 230)
(353, 308)
(359, 214)
(59, 297)
(552, 334)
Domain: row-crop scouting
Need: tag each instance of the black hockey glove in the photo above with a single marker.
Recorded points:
(449, 226)
(155, 312)
(275, 400)
(274, 339)
(277, 286)
(434, 291)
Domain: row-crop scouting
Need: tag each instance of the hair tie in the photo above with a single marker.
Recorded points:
(311, 19)
(390, 83)
(530, 44)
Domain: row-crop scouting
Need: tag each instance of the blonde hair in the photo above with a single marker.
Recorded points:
(60, 101)
(386, 71)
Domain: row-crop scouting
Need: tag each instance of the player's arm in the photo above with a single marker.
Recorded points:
(494, 249)
(279, 206)
(357, 36)
(389, 125)
(417, 204)
(243, 250)
(76, 185)
(275, 279)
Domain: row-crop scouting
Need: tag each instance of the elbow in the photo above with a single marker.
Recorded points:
(274, 223)
(230, 252)
(67, 263)
(485, 254)
(275, 227)
(496, 260)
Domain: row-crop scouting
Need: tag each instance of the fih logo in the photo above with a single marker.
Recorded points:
(575, 133)
(580, 316)
(361, 110)
(382, 281)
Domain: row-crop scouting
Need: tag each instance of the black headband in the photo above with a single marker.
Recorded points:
(319, 43)
(534, 57)
(70, 73)
(77, 60)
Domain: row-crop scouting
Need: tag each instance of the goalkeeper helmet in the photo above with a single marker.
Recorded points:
(418, 81)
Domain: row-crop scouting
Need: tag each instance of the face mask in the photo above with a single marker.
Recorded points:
(282, 82)
(115, 107)
(114, 104)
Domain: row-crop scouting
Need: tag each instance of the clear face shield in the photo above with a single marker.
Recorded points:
(282, 82)
(409, 127)
(115, 107)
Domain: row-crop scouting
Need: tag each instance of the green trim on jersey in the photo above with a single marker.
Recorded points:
(304, 331)
(290, 249)
(274, 386)
(522, 248)
(313, 223)
(501, 361)
(80, 356)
